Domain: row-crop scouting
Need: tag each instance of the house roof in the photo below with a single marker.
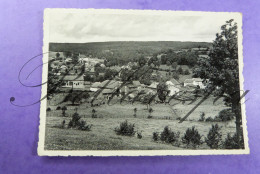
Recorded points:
(73, 78)
(95, 85)
(68, 59)
(188, 81)
(136, 83)
(63, 66)
(197, 79)
(174, 81)
(153, 85)
(109, 84)
(107, 91)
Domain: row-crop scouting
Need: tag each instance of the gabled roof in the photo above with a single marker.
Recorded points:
(73, 78)
(175, 82)
(95, 85)
(188, 81)
(107, 91)
(63, 66)
(109, 84)
(197, 79)
(153, 85)
(68, 59)
(136, 83)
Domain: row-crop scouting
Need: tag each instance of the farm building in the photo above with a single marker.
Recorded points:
(173, 90)
(173, 82)
(73, 81)
(194, 82)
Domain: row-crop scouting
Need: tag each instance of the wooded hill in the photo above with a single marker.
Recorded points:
(125, 47)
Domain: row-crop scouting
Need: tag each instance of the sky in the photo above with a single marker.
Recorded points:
(83, 26)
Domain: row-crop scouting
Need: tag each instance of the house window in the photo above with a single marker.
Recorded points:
(70, 83)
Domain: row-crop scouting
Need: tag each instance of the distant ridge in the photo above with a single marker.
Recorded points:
(147, 46)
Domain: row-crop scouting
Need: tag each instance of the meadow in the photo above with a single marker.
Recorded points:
(109, 116)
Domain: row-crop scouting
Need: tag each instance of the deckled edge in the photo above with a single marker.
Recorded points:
(43, 152)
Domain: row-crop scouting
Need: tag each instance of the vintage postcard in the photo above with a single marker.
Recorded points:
(142, 82)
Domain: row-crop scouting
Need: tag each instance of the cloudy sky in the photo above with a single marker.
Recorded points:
(84, 26)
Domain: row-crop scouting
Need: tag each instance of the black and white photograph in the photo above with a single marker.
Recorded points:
(142, 83)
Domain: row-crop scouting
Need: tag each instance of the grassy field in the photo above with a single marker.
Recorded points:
(103, 137)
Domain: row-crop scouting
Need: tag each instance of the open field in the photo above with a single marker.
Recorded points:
(103, 137)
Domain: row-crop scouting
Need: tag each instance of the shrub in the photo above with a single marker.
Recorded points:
(192, 137)
(58, 108)
(231, 142)
(156, 136)
(226, 115)
(180, 70)
(209, 119)
(139, 135)
(169, 136)
(150, 110)
(213, 138)
(64, 108)
(175, 75)
(126, 129)
(186, 72)
(48, 109)
(94, 113)
(202, 116)
(178, 118)
(135, 110)
(75, 122)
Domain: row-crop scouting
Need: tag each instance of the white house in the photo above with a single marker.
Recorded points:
(173, 90)
(194, 82)
(73, 81)
(172, 87)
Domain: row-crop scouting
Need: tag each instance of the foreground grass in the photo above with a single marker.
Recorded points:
(103, 137)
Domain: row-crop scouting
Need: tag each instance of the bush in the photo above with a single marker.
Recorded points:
(94, 113)
(226, 115)
(186, 72)
(192, 137)
(209, 119)
(75, 122)
(213, 138)
(64, 108)
(180, 70)
(202, 116)
(48, 109)
(156, 136)
(126, 129)
(139, 135)
(175, 76)
(58, 108)
(231, 142)
(169, 136)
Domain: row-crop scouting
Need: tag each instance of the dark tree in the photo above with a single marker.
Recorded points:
(174, 65)
(141, 61)
(162, 91)
(64, 108)
(75, 58)
(57, 55)
(222, 70)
